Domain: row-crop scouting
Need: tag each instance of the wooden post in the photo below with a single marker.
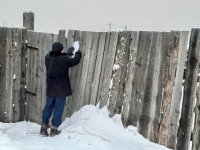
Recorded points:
(184, 131)
(28, 20)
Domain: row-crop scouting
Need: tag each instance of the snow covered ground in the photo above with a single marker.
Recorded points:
(88, 129)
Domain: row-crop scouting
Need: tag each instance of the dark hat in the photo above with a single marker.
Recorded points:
(57, 47)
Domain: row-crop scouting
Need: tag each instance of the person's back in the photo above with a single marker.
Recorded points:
(58, 86)
(57, 72)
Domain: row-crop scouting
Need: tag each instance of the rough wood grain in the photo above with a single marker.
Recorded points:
(108, 69)
(91, 68)
(139, 76)
(16, 50)
(98, 70)
(22, 101)
(196, 130)
(129, 77)
(184, 131)
(157, 113)
(120, 98)
(85, 67)
(3, 58)
(9, 77)
(118, 75)
(170, 71)
(150, 91)
(177, 91)
(103, 66)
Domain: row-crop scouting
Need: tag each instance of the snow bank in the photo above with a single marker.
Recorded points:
(88, 129)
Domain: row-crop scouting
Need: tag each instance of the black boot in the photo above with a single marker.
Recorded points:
(43, 130)
(54, 131)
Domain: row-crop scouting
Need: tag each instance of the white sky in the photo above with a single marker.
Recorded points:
(52, 15)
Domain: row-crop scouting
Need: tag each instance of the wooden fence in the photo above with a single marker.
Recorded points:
(136, 74)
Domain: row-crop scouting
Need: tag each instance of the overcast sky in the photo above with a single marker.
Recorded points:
(95, 15)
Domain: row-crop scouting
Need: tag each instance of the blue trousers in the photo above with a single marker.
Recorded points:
(55, 106)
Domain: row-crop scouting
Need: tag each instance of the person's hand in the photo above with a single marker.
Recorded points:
(70, 51)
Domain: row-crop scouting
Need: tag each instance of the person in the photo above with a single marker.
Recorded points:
(58, 86)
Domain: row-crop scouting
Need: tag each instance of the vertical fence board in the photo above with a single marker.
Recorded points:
(196, 130)
(129, 76)
(91, 69)
(120, 98)
(98, 66)
(150, 92)
(139, 76)
(3, 75)
(177, 91)
(80, 36)
(170, 70)
(85, 67)
(23, 76)
(108, 68)
(31, 76)
(75, 71)
(9, 78)
(157, 113)
(184, 131)
(16, 50)
(103, 66)
(40, 66)
(62, 38)
(121, 60)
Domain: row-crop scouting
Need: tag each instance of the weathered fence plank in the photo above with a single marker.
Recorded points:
(170, 70)
(196, 131)
(3, 75)
(116, 95)
(139, 78)
(148, 106)
(31, 76)
(184, 131)
(129, 77)
(79, 36)
(75, 72)
(16, 50)
(177, 91)
(22, 101)
(98, 66)
(120, 99)
(91, 69)
(108, 69)
(157, 113)
(85, 67)
(9, 78)
(103, 65)
(62, 38)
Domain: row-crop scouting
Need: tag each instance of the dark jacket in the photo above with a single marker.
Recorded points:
(57, 73)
